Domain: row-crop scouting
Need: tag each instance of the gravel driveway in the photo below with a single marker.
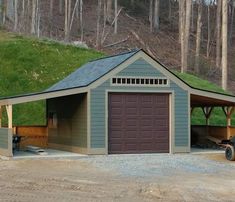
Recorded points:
(150, 165)
(150, 177)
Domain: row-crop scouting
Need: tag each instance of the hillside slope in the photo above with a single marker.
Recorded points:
(30, 65)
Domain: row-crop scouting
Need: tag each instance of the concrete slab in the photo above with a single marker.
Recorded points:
(206, 151)
(51, 153)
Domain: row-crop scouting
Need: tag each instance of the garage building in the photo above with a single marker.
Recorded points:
(127, 103)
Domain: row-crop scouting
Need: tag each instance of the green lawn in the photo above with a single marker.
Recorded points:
(30, 65)
(217, 116)
(199, 83)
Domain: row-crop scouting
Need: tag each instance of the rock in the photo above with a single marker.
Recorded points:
(80, 44)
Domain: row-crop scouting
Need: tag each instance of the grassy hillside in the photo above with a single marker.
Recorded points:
(199, 83)
(28, 65)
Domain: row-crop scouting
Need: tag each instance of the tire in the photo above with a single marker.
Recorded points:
(229, 153)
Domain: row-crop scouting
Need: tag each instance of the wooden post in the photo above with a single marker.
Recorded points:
(228, 111)
(9, 115)
(0, 116)
(207, 112)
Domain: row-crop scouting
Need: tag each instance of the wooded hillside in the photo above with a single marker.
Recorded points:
(189, 35)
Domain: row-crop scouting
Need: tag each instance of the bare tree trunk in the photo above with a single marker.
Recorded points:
(23, 8)
(73, 14)
(61, 6)
(186, 31)
(38, 18)
(208, 31)
(15, 15)
(81, 19)
(231, 24)
(170, 10)
(98, 37)
(181, 30)
(1, 12)
(192, 17)
(33, 21)
(67, 8)
(109, 11)
(198, 36)
(224, 60)
(156, 23)
(116, 17)
(218, 34)
(66, 26)
(51, 16)
(181, 19)
(151, 15)
(4, 13)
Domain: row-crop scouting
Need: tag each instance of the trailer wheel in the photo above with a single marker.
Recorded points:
(229, 153)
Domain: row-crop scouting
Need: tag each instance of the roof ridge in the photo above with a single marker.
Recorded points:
(118, 54)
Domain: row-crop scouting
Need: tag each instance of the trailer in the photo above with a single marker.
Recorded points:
(228, 145)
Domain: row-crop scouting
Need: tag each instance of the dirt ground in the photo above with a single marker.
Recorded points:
(84, 179)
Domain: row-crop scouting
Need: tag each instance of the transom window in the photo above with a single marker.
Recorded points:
(139, 81)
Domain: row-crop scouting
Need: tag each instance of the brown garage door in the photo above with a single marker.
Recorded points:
(138, 123)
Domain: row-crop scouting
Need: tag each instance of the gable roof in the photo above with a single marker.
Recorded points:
(82, 78)
(92, 71)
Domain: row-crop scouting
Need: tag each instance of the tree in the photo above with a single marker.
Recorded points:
(156, 23)
(109, 11)
(218, 34)
(224, 59)
(184, 21)
(51, 16)
(1, 12)
(98, 37)
(232, 3)
(116, 16)
(67, 19)
(208, 30)
(151, 15)
(81, 19)
(15, 15)
(61, 6)
(198, 35)
(33, 21)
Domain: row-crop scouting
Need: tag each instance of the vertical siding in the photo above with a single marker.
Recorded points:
(4, 138)
(6, 142)
(72, 120)
(138, 68)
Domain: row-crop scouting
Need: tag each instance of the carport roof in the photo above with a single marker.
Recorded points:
(78, 81)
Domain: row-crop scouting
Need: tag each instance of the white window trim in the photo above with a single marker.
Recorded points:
(139, 85)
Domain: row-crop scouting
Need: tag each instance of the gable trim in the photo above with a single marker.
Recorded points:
(141, 55)
(41, 96)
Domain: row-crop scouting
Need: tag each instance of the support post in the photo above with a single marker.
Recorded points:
(9, 115)
(228, 111)
(0, 116)
(207, 112)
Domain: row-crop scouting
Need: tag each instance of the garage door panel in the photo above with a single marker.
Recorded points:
(131, 134)
(143, 124)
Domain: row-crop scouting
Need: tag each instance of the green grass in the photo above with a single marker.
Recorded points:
(199, 83)
(217, 117)
(30, 65)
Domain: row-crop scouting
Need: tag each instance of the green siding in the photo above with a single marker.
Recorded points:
(4, 138)
(72, 120)
(138, 68)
